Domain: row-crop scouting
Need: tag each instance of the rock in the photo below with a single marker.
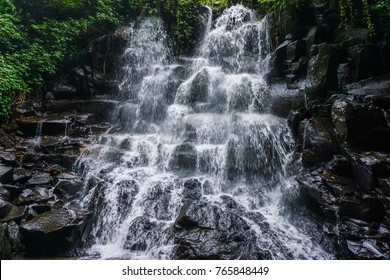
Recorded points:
(349, 36)
(8, 159)
(184, 157)
(192, 190)
(319, 143)
(14, 236)
(322, 111)
(295, 117)
(312, 187)
(68, 182)
(64, 90)
(196, 91)
(295, 50)
(366, 249)
(13, 190)
(345, 74)
(34, 195)
(374, 89)
(367, 60)
(5, 207)
(284, 100)
(5, 174)
(5, 244)
(316, 36)
(82, 85)
(361, 125)
(204, 231)
(384, 185)
(20, 175)
(16, 214)
(322, 70)
(368, 209)
(339, 165)
(54, 232)
(102, 109)
(56, 170)
(4, 193)
(39, 178)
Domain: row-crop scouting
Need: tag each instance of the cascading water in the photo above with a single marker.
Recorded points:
(196, 165)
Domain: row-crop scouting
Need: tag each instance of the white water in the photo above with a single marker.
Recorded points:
(206, 119)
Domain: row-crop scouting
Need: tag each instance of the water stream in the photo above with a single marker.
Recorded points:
(195, 165)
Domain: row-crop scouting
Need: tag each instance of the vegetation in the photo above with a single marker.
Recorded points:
(36, 37)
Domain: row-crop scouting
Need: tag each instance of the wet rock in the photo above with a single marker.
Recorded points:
(8, 159)
(369, 209)
(14, 236)
(284, 100)
(56, 170)
(322, 70)
(339, 165)
(313, 188)
(204, 231)
(39, 178)
(54, 232)
(4, 193)
(345, 74)
(316, 36)
(5, 174)
(68, 182)
(295, 50)
(13, 191)
(184, 157)
(367, 60)
(349, 36)
(319, 142)
(5, 244)
(361, 125)
(295, 117)
(34, 195)
(16, 214)
(367, 167)
(198, 89)
(100, 108)
(20, 175)
(192, 189)
(384, 185)
(375, 90)
(366, 249)
(322, 111)
(64, 90)
(5, 207)
(82, 85)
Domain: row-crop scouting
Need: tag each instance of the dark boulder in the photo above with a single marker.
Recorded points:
(367, 60)
(63, 90)
(8, 159)
(68, 183)
(369, 209)
(204, 231)
(54, 232)
(361, 125)
(184, 157)
(322, 70)
(39, 178)
(17, 213)
(20, 175)
(34, 195)
(5, 244)
(5, 174)
(5, 207)
(319, 143)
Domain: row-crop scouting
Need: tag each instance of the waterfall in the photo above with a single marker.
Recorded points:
(196, 165)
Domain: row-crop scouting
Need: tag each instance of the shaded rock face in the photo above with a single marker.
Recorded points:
(342, 132)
